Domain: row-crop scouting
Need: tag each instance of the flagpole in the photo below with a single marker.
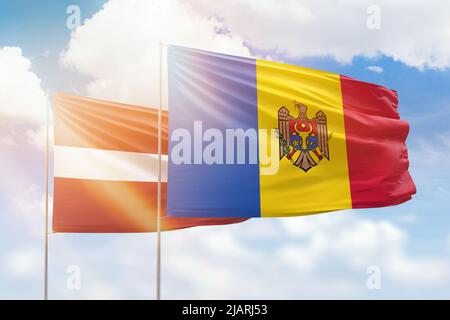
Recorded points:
(46, 200)
(158, 222)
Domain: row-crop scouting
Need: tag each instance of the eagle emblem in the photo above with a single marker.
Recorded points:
(303, 140)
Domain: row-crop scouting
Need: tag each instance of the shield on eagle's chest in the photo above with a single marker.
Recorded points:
(303, 140)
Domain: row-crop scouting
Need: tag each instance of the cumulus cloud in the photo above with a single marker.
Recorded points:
(376, 69)
(360, 242)
(23, 105)
(413, 32)
(23, 102)
(309, 257)
(119, 47)
(323, 256)
(21, 94)
(22, 263)
(38, 136)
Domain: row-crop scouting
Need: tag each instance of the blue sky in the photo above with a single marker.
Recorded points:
(105, 60)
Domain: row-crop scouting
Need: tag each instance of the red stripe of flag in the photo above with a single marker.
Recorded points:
(376, 151)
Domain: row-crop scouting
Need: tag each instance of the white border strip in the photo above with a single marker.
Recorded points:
(97, 164)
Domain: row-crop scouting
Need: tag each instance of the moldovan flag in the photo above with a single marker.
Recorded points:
(106, 169)
(255, 138)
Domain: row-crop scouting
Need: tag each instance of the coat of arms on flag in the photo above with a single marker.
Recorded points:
(303, 140)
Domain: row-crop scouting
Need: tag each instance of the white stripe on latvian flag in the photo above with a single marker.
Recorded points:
(106, 169)
(97, 164)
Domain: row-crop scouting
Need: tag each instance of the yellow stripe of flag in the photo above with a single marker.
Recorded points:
(327, 186)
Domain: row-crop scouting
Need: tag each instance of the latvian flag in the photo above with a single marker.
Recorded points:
(106, 168)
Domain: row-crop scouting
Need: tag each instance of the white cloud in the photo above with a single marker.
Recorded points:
(28, 206)
(431, 271)
(358, 243)
(119, 47)
(38, 136)
(8, 140)
(21, 94)
(23, 105)
(23, 102)
(31, 200)
(323, 256)
(431, 151)
(339, 28)
(376, 69)
(103, 292)
(23, 263)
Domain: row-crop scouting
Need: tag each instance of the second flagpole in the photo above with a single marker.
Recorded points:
(47, 134)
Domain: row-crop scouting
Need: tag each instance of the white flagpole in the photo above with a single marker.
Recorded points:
(158, 222)
(46, 200)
